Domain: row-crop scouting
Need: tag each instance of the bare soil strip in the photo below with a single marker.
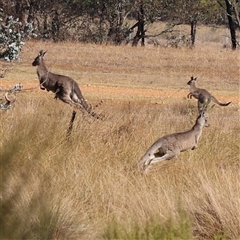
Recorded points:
(122, 92)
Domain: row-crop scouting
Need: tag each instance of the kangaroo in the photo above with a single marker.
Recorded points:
(65, 88)
(203, 96)
(170, 146)
(8, 104)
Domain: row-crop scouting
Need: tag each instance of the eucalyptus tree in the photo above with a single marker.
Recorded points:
(232, 10)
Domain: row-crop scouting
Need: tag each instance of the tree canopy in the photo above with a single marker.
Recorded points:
(105, 20)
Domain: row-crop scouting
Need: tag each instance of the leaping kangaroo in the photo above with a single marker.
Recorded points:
(65, 88)
(203, 96)
(170, 146)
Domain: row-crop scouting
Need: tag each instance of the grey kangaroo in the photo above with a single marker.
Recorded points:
(65, 88)
(203, 96)
(170, 146)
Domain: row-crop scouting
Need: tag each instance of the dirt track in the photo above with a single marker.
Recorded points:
(107, 90)
(121, 92)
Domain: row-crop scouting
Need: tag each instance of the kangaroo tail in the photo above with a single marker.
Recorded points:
(89, 109)
(220, 104)
(85, 105)
(98, 104)
(82, 100)
(96, 115)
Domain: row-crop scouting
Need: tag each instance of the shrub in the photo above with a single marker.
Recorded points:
(12, 38)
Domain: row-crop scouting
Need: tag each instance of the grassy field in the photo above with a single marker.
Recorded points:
(87, 187)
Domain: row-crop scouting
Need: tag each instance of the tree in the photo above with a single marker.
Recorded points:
(186, 12)
(232, 12)
(229, 9)
(140, 26)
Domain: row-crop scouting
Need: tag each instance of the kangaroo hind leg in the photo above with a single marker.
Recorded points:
(167, 156)
(66, 98)
(203, 103)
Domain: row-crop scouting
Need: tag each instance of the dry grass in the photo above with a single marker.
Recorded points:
(88, 187)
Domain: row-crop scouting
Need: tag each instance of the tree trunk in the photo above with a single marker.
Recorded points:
(193, 31)
(115, 33)
(55, 25)
(140, 31)
(142, 25)
(231, 24)
(20, 12)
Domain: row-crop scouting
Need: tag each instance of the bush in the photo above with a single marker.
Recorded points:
(12, 38)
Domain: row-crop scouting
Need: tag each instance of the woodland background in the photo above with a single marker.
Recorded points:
(118, 21)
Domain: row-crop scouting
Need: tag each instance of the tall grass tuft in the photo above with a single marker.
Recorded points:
(87, 186)
(152, 229)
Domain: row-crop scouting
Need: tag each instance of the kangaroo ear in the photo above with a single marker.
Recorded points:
(203, 113)
(41, 53)
(195, 79)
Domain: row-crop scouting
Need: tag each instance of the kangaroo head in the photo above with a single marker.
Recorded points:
(38, 59)
(202, 119)
(192, 80)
